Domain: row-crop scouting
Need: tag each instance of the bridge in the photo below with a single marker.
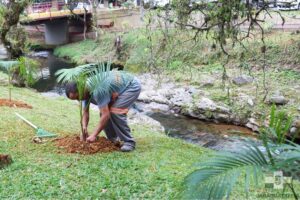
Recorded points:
(56, 16)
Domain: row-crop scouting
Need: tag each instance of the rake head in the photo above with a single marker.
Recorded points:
(41, 133)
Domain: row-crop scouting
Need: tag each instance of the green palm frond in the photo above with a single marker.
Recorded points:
(289, 152)
(99, 77)
(218, 176)
(8, 65)
(69, 75)
(99, 81)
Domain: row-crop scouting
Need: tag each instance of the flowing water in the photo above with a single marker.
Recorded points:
(49, 66)
(206, 134)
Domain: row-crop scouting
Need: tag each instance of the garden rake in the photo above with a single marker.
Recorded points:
(40, 133)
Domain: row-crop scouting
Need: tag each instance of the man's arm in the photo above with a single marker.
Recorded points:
(105, 115)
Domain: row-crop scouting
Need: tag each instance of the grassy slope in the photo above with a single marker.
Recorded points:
(155, 170)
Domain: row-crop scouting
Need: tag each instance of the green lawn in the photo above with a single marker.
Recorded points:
(155, 170)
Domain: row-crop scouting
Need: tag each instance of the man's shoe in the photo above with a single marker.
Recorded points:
(127, 147)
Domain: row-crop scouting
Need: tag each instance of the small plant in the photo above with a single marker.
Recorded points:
(279, 125)
(9, 67)
(28, 70)
(24, 68)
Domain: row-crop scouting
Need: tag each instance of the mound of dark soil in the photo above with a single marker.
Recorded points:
(73, 144)
(5, 160)
(13, 103)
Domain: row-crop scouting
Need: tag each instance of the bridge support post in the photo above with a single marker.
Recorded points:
(57, 32)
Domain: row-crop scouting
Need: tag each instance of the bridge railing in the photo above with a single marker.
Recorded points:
(50, 6)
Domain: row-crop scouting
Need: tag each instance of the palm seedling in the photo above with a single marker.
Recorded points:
(94, 78)
(9, 67)
(24, 66)
(217, 177)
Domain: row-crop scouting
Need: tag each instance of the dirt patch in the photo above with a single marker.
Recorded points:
(5, 160)
(13, 103)
(72, 144)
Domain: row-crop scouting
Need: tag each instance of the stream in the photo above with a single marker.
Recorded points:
(214, 136)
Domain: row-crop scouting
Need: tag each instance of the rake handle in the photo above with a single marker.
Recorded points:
(26, 121)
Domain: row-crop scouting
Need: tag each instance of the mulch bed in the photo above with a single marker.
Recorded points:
(73, 144)
(5, 160)
(13, 103)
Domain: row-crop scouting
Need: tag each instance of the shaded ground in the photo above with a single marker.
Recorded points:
(72, 144)
(14, 103)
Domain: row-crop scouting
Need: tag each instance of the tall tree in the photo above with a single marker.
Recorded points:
(11, 34)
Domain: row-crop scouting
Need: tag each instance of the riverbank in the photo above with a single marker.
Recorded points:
(196, 87)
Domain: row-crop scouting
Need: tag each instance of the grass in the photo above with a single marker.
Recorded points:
(155, 170)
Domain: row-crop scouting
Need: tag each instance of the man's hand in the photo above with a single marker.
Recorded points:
(91, 138)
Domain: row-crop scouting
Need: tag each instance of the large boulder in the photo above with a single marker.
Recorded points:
(181, 97)
(206, 109)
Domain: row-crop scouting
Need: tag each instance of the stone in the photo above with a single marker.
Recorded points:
(182, 100)
(208, 82)
(242, 80)
(159, 99)
(295, 133)
(206, 104)
(296, 123)
(153, 106)
(206, 109)
(278, 100)
(253, 125)
(140, 118)
(250, 102)
(144, 97)
(293, 130)
(192, 90)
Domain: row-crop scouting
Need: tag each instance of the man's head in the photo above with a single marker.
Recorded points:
(72, 92)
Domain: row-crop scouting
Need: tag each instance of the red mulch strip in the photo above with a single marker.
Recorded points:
(5, 160)
(13, 103)
(73, 144)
